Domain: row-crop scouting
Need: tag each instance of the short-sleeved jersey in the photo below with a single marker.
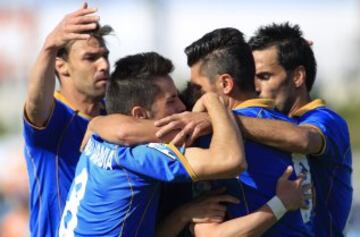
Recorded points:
(51, 155)
(116, 188)
(256, 186)
(331, 168)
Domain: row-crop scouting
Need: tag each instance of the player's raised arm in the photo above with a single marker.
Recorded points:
(225, 157)
(39, 100)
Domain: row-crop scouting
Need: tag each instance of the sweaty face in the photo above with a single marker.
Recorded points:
(88, 67)
(167, 102)
(272, 81)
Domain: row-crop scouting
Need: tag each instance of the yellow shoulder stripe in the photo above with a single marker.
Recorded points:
(184, 161)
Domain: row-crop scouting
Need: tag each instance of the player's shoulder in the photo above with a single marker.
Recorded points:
(101, 153)
(167, 150)
(324, 115)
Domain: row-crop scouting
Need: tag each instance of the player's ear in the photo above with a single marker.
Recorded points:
(140, 112)
(226, 83)
(61, 67)
(299, 76)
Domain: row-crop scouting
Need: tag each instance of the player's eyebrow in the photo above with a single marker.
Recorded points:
(96, 52)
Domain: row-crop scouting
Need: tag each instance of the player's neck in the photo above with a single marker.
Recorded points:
(299, 102)
(82, 103)
(241, 96)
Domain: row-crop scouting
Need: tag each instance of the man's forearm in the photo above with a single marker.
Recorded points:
(41, 87)
(125, 130)
(282, 135)
(254, 224)
(172, 225)
(227, 140)
(226, 147)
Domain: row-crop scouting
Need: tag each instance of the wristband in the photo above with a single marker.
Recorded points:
(277, 207)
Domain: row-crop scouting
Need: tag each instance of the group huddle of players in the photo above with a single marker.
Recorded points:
(242, 151)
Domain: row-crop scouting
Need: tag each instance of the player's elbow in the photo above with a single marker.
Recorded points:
(304, 143)
(239, 160)
(307, 142)
(238, 164)
(234, 164)
(122, 137)
(34, 114)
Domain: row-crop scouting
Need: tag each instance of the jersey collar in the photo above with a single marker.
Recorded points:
(257, 102)
(308, 107)
(65, 101)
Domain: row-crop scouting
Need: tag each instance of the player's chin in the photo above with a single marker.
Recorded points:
(99, 91)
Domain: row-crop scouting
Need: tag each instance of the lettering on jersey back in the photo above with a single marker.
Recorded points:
(100, 155)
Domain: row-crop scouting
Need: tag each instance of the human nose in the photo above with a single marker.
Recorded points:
(257, 86)
(104, 64)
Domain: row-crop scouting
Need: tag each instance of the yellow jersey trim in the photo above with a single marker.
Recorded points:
(257, 102)
(308, 107)
(184, 161)
(61, 98)
(323, 147)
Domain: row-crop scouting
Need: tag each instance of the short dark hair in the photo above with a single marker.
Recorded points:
(223, 51)
(98, 33)
(292, 49)
(133, 82)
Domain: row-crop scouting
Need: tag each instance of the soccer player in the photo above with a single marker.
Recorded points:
(116, 188)
(225, 57)
(222, 62)
(285, 72)
(54, 123)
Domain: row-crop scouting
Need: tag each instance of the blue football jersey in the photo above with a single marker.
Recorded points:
(257, 185)
(331, 168)
(51, 154)
(116, 188)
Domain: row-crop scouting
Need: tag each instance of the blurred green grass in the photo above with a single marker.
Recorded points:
(351, 113)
